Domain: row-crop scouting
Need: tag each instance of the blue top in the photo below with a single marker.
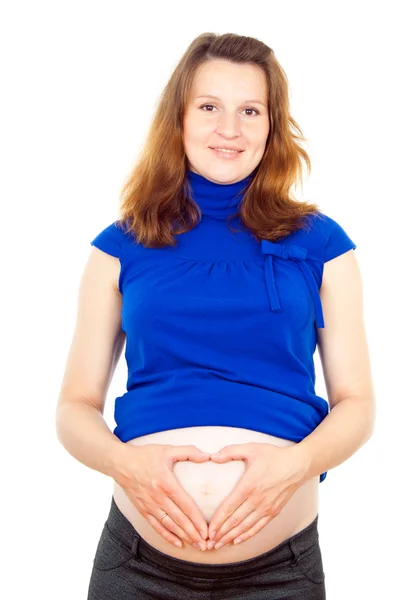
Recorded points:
(221, 329)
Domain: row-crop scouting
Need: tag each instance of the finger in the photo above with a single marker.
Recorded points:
(190, 452)
(228, 507)
(160, 529)
(178, 521)
(151, 511)
(231, 452)
(184, 511)
(170, 523)
(244, 514)
(255, 529)
(249, 521)
(162, 507)
(196, 525)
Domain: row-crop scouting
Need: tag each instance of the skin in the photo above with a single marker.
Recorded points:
(230, 119)
(99, 340)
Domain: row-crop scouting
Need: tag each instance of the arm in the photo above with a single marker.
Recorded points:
(94, 353)
(96, 348)
(344, 354)
(84, 433)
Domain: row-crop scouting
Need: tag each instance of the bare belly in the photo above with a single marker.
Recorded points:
(210, 483)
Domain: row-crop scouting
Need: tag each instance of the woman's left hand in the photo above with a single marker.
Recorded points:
(272, 476)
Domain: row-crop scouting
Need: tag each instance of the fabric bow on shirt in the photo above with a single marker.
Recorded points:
(297, 254)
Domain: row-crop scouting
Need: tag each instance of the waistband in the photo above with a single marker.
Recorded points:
(290, 548)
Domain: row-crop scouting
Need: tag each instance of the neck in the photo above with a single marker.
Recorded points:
(217, 199)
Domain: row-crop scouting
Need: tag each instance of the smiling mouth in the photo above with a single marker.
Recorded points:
(226, 150)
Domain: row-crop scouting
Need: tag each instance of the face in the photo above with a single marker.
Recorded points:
(236, 116)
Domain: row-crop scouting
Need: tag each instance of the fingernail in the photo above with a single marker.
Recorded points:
(212, 534)
(199, 546)
(218, 545)
(238, 541)
(210, 544)
(178, 544)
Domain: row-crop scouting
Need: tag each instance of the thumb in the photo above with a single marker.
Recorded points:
(231, 452)
(190, 452)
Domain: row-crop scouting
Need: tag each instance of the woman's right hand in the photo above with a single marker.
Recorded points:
(146, 475)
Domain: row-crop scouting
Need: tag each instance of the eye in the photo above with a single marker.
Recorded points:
(254, 109)
(205, 105)
(212, 105)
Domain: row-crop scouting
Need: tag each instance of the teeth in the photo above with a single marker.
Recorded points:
(225, 150)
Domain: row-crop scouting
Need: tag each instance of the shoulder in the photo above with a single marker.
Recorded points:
(111, 239)
(115, 240)
(324, 237)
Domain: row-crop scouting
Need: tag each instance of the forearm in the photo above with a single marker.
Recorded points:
(344, 430)
(83, 432)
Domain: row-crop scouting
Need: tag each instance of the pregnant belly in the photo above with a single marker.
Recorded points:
(210, 483)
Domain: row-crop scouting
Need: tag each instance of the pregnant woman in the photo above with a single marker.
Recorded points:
(221, 286)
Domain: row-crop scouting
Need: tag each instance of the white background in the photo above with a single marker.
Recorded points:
(80, 82)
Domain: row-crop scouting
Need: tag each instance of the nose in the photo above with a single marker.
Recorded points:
(229, 125)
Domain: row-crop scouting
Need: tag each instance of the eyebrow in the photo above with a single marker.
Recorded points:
(217, 98)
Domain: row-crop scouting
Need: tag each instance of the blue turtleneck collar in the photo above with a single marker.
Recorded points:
(217, 200)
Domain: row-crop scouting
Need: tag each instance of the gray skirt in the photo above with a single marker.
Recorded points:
(126, 567)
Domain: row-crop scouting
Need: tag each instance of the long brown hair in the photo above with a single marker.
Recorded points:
(155, 202)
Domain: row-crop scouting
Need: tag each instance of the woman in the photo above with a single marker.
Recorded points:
(221, 285)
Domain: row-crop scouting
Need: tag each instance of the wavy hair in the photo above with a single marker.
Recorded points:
(155, 200)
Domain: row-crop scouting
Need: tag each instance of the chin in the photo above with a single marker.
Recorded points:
(225, 175)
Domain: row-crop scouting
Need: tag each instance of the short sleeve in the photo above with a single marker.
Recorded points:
(337, 241)
(109, 240)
